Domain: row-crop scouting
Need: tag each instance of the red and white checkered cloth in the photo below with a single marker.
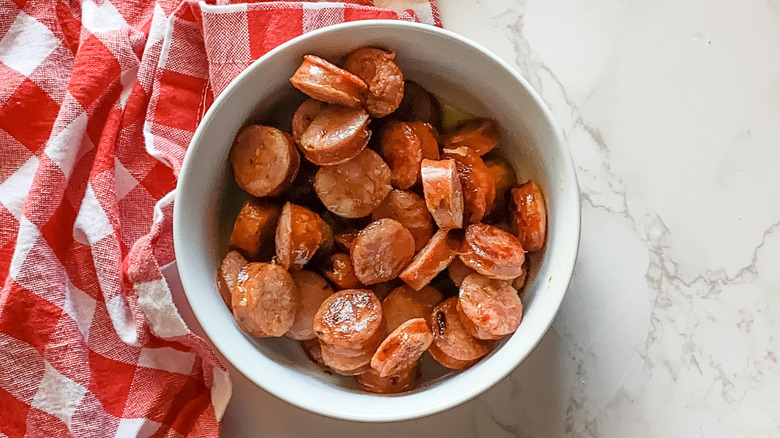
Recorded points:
(98, 102)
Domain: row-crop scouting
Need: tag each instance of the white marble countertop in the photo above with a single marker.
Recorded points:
(671, 325)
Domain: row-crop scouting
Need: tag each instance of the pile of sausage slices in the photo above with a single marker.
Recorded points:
(378, 219)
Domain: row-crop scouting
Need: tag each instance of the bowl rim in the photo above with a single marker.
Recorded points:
(496, 372)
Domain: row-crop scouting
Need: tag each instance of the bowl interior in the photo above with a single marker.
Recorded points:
(461, 75)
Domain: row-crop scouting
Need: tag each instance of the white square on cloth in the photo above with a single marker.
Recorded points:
(58, 395)
(26, 44)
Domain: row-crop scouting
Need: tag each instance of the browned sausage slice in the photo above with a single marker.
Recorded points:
(519, 282)
(264, 160)
(298, 236)
(355, 188)
(254, 228)
(404, 303)
(321, 80)
(410, 210)
(349, 317)
(448, 361)
(491, 305)
(481, 135)
(381, 251)
(479, 189)
(473, 329)
(451, 337)
(458, 271)
(402, 150)
(431, 260)
(313, 350)
(228, 274)
(443, 192)
(492, 252)
(345, 364)
(312, 291)
(427, 135)
(341, 272)
(304, 115)
(335, 135)
(384, 79)
(402, 348)
(505, 179)
(406, 380)
(418, 105)
(265, 300)
(529, 216)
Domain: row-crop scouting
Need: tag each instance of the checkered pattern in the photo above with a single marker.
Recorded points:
(98, 102)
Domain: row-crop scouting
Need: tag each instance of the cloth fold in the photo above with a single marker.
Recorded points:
(98, 102)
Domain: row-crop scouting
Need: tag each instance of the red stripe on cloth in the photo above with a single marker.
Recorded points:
(95, 70)
(28, 317)
(110, 382)
(70, 26)
(269, 28)
(181, 97)
(29, 115)
(13, 414)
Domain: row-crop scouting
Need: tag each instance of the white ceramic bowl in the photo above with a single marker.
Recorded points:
(460, 73)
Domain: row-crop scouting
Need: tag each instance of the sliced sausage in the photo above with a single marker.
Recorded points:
(355, 188)
(418, 105)
(449, 361)
(479, 189)
(402, 150)
(451, 337)
(458, 271)
(228, 274)
(381, 251)
(492, 252)
(341, 272)
(304, 115)
(481, 134)
(345, 364)
(312, 291)
(405, 380)
(493, 306)
(265, 300)
(377, 68)
(402, 348)
(253, 230)
(349, 317)
(505, 179)
(443, 192)
(473, 329)
(427, 135)
(432, 259)
(321, 80)
(264, 159)
(298, 236)
(519, 282)
(410, 210)
(404, 303)
(335, 135)
(313, 350)
(529, 216)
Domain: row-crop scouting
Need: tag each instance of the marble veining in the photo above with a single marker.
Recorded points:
(670, 327)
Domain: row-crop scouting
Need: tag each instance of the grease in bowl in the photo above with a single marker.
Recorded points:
(433, 194)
